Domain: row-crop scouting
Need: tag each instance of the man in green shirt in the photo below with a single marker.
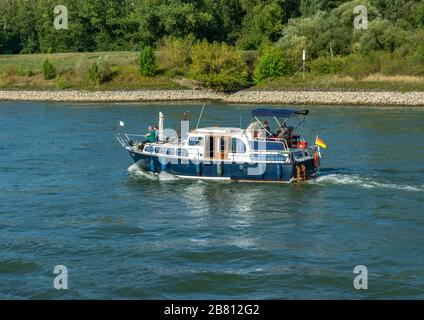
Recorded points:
(151, 135)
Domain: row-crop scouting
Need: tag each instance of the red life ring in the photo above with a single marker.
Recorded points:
(302, 145)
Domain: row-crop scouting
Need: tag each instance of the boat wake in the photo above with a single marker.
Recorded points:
(139, 173)
(326, 179)
(365, 182)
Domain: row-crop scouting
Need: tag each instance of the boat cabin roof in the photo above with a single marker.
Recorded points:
(218, 130)
(281, 113)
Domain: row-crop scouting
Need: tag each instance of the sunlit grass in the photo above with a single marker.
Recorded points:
(375, 82)
(24, 72)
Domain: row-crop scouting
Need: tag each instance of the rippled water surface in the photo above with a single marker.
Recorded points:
(69, 195)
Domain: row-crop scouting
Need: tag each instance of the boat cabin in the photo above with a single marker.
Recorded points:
(257, 142)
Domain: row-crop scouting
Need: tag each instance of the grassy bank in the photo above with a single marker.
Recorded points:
(376, 82)
(25, 72)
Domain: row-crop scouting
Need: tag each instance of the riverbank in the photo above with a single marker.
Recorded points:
(415, 99)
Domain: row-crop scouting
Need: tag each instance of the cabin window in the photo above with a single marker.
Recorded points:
(195, 141)
(149, 149)
(182, 153)
(162, 151)
(238, 146)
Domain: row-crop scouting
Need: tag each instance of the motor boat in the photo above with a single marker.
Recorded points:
(255, 154)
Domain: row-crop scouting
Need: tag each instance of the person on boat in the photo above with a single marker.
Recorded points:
(267, 128)
(150, 136)
(280, 133)
(156, 129)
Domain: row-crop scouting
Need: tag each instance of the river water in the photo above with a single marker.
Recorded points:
(70, 196)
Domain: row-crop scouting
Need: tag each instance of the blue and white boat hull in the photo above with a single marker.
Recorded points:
(224, 170)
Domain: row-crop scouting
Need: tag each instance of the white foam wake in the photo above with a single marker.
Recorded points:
(138, 172)
(365, 182)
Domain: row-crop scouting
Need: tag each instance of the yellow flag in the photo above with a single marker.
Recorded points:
(321, 143)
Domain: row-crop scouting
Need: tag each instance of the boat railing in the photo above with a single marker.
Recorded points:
(314, 149)
(126, 139)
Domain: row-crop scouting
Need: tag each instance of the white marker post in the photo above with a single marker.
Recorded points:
(303, 63)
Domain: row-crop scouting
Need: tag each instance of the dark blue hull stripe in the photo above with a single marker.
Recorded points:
(235, 171)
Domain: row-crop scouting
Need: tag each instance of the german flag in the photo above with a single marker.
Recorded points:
(320, 142)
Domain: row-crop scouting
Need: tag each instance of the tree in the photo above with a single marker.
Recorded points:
(176, 54)
(397, 10)
(147, 62)
(382, 35)
(100, 71)
(310, 7)
(327, 33)
(264, 22)
(419, 15)
(112, 25)
(49, 71)
(272, 64)
(219, 66)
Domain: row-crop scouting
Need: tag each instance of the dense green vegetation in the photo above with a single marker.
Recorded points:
(147, 62)
(49, 71)
(219, 66)
(270, 65)
(223, 44)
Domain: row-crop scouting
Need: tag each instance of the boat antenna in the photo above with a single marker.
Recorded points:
(201, 114)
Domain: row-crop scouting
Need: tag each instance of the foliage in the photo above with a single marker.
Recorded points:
(100, 72)
(327, 65)
(25, 72)
(109, 25)
(175, 54)
(219, 66)
(264, 23)
(360, 66)
(272, 64)
(49, 71)
(382, 35)
(147, 62)
(419, 15)
(324, 28)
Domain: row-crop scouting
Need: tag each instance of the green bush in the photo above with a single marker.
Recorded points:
(382, 35)
(416, 61)
(419, 15)
(418, 55)
(393, 64)
(360, 66)
(293, 49)
(147, 62)
(327, 65)
(100, 72)
(219, 66)
(175, 54)
(272, 64)
(49, 71)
